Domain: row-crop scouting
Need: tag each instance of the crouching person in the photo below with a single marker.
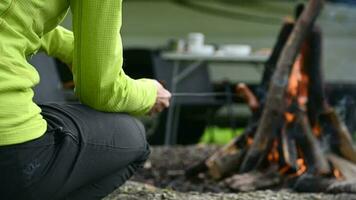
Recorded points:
(70, 151)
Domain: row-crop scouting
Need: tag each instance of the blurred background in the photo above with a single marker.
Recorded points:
(152, 23)
(151, 26)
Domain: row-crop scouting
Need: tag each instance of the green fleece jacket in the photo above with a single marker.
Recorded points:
(94, 50)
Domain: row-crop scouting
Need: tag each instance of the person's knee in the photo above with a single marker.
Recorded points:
(138, 132)
(140, 127)
(139, 136)
(146, 149)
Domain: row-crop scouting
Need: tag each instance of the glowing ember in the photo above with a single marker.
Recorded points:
(289, 117)
(295, 78)
(301, 167)
(337, 174)
(273, 156)
(317, 130)
(284, 169)
(249, 141)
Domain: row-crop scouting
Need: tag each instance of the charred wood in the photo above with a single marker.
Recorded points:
(254, 180)
(271, 63)
(342, 187)
(289, 146)
(213, 162)
(311, 183)
(312, 152)
(251, 100)
(313, 66)
(223, 165)
(196, 168)
(344, 139)
(347, 168)
(224, 160)
(275, 103)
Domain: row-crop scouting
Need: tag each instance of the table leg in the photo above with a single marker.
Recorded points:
(174, 110)
(175, 125)
(170, 114)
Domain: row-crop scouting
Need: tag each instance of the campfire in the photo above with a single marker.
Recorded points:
(294, 139)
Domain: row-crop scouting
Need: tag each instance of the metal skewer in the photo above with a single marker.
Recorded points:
(202, 94)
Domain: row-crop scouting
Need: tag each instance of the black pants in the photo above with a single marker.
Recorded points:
(85, 154)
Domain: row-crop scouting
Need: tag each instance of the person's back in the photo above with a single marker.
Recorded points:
(22, 24)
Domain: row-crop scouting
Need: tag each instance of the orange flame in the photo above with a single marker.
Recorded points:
(301, 167)
(303, 89)
(298, 83)
(337, 174)
(295, 78)
(297, 91)
(317, 130)
(289, 117)
(273, 156)
(249, 141)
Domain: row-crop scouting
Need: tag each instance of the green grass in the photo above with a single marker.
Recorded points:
(216, 135)
(220, 136)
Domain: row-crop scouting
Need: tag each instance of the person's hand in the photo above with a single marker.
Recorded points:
(162, 100)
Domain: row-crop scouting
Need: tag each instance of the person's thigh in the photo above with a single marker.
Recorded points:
(106, 129)
(107, 142)
(22, 165)
(86, 146)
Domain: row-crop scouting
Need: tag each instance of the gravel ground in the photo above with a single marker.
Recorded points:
(163, 178)
(165, 169)
(140, 191)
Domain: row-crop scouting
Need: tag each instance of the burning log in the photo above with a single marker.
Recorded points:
(289, 147)
(313, 66)
(316, 161)
(248, 96)
(293, 129)
(345, 144)
(216, 163)
(228, 158)
(343, 168)
(271, 63)
(275, 103)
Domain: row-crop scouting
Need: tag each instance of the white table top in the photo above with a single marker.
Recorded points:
(252, 58)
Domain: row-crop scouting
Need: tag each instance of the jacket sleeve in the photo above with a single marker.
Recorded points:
(100, 80)
(59, 43)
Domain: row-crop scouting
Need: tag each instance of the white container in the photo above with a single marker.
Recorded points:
(195, 41)
(202, 50)
(180, 48)
(235, 50)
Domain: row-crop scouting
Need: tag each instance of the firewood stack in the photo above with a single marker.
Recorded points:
(294, 139)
